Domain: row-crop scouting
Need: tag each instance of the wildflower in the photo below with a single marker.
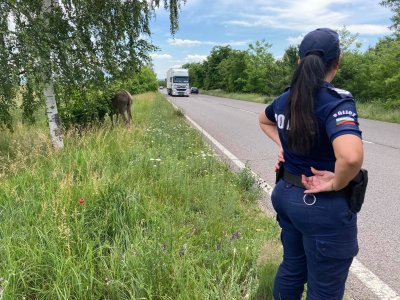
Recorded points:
(182, 251)
(235, 235)
(81, 200)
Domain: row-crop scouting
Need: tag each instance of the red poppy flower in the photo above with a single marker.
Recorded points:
(81, 200)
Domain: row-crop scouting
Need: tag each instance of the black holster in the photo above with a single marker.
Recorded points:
(279, 173)
(356, 191)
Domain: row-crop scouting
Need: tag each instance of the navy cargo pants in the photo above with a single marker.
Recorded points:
(319, 237)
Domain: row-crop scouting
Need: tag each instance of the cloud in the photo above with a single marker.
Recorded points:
(368, 29)
(306, 15)
(295, 40)
(191, 43)
(295, 16)
(195, 58)
(161, 56)
(182, 42)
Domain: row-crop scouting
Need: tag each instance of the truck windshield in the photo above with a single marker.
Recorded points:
(181, 79)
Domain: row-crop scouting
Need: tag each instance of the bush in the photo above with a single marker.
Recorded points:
(87, 105)
(392, 104)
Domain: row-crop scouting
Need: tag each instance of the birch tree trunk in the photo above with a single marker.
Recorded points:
(51, 104)
(53, 118)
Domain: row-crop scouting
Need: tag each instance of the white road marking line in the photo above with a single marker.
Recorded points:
(377, 286)
(368, 142)
(369, 279)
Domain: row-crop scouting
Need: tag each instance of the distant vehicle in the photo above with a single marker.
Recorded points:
(194, 90)
(178, 82)
(161, 87)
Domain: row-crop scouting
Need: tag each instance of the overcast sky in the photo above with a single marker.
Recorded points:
(207, 23)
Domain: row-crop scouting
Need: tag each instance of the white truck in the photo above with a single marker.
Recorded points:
(178, 82)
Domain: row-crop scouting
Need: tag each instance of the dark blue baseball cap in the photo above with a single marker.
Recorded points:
(322, 41)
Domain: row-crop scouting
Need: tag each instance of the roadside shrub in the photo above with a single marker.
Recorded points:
(392, 104)
(87, 105)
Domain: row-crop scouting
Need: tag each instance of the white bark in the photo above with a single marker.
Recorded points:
(51, 104)
(52, 116)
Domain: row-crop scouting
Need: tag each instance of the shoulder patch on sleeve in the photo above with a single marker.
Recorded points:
(340, 93)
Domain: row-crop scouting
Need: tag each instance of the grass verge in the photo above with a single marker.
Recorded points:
(371, 110)
(140, 213)
(239, 96)
(377, 111)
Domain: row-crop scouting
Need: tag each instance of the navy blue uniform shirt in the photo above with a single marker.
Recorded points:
(336, 114)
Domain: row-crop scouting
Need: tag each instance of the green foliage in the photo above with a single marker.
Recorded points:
(245, 179)
(8, 77)
(252, 71)
(348, 42)
(231, 70)
(212, 79)
(196, 73)
(87, 105)
(74, 44)
(371, 76)
(260, 68)
(162, 82)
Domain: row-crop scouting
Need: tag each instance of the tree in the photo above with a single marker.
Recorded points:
(196, 74)
(231, 71)
(353, 70)
(70, 43)
(212, 77)
(394, 5)
(384, 65)
(348, 41)
(259, 68)
(283, 70)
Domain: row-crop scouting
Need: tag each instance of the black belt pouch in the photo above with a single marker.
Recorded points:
(356, 190)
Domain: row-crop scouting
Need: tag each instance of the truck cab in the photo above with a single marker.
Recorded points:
(178, 82)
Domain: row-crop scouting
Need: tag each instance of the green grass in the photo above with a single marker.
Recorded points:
(377, 111)
(162, 218)
(239, 96)
(372, 110)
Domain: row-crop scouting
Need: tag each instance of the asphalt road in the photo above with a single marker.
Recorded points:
(234, 124)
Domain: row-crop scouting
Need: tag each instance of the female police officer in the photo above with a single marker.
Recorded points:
(316, 128)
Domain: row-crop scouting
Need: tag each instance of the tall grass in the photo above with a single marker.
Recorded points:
(252, 97)
(378, 111)
(140, 213)
(372, 110)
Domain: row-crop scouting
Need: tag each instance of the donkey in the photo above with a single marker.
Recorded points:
(122, 103)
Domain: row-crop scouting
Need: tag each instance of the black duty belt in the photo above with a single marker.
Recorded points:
(354, 191)
(292, 179)
(296, 181)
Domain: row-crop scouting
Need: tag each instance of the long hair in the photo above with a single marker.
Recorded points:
(306, 82)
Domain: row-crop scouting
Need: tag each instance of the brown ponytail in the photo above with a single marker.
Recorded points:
(306, 82)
